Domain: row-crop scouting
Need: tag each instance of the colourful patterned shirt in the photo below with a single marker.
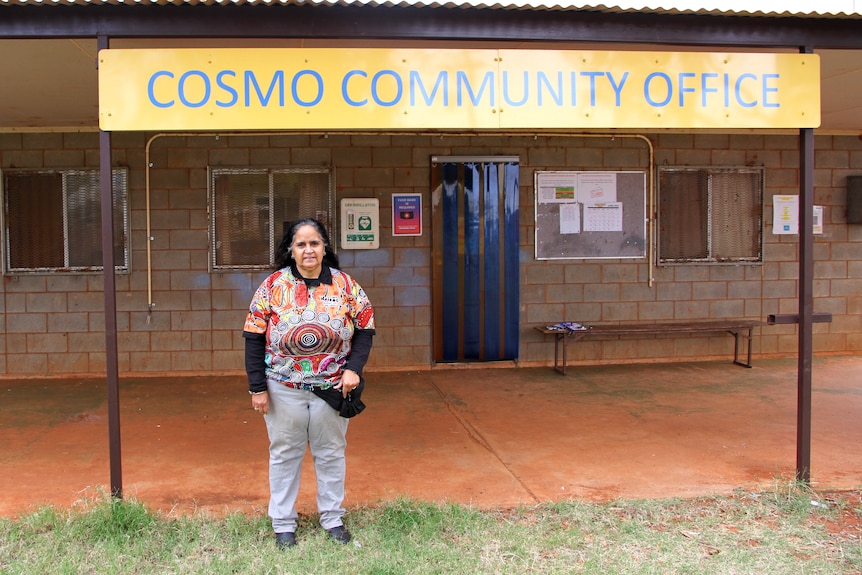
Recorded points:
(308, 330)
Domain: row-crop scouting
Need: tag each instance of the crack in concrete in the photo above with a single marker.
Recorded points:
(476, 436)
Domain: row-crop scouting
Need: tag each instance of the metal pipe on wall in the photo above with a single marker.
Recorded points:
(148, 165)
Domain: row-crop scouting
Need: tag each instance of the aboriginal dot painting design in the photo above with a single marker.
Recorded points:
(311, 336)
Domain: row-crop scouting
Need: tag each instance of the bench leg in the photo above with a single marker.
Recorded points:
(559, 338)
(736, 335)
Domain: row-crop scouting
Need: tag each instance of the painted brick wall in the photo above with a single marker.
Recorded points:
(53, 324)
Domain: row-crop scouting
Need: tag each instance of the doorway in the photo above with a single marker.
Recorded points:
(476, 272)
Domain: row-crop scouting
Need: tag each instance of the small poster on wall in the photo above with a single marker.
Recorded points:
(785, 215)
(360, 223)
(817, 222)
(406, 214)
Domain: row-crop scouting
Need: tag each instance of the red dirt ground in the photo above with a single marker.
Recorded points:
(490, 437)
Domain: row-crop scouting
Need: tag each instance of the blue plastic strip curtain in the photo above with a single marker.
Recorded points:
(451, 301)
(480, 261)
(472, 261)
(511, 255)
(491, 285)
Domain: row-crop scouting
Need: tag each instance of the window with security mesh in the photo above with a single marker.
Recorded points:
(251, 207)
(710, 215)
(52, 221)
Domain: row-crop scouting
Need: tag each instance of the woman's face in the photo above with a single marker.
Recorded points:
(307, 250)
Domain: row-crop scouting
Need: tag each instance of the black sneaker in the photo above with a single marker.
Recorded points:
(340, 534)
(285, 540)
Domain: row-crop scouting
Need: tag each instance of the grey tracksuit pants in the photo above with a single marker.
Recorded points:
(296, 419)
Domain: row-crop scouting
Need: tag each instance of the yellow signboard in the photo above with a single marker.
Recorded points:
(405, 89)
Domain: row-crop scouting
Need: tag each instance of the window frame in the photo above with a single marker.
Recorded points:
(120, 178)
(756, 222)
(273, 231)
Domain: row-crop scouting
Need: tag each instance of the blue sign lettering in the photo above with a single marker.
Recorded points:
(682, 89)
(182, 88)
(295, 93)
(506, 98)
(151, 92)
(659, 89)
(344, 82)
(768, 88)
(416, 84)
(618, 88)
(668, 87)
(386, 88)
(592, 76)
(542, 80)
(220, 83)
(463, 82)
(738, 90)
(251, 82)
(399, 87)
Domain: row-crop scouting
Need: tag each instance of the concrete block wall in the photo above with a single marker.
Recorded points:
(181, 317)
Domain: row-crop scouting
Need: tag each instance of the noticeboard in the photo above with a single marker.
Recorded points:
(590, 214)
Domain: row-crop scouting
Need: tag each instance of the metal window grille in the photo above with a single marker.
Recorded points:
(52, 221)
(710, 215)
(250, 209)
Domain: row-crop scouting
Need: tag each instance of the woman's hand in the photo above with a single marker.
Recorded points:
(349, 382)
(260, 402)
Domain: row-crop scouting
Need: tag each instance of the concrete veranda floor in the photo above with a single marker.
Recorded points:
(488, 437)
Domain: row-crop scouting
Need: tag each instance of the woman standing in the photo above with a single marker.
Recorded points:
(309, 328)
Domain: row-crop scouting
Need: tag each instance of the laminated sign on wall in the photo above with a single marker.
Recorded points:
(406, 214)
(360, 223)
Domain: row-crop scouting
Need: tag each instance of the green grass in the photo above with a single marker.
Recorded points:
(776, 532)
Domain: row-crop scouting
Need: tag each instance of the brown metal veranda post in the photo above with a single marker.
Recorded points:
(107, 198)
(806, 302)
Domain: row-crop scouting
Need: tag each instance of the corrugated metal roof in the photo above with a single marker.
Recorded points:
(797, 8)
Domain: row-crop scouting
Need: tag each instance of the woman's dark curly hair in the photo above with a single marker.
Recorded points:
(283, 257)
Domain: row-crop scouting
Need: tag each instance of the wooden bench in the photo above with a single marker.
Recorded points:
(738, 328)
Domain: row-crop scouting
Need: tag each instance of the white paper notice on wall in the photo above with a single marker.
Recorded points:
(570, 218)
(785, 216)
